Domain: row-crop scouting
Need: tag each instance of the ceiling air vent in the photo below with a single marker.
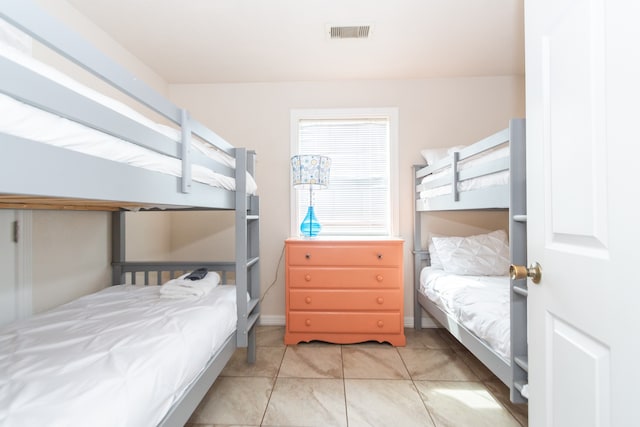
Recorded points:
(349, 32)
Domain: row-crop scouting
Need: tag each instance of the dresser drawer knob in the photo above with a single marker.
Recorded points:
(307, 322)
(379, 278)
(307, 277)
(380, 324)
(307, 256)
(380, 300)
(379, 256)
(307, 300)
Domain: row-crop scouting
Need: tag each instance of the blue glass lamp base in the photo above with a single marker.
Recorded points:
(310, 227)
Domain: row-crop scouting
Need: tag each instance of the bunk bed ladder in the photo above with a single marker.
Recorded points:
(518, 248)
(247, 254)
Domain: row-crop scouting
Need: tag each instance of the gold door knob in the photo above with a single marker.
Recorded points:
(521, 272)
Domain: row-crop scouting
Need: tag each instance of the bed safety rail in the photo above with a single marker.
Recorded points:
(29, 86)
(158, 273)
(492, 197)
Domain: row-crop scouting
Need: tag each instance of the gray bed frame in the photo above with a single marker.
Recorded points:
(511, 196)
(36, 175)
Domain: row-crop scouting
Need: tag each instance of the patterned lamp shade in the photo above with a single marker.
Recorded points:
(310, 171)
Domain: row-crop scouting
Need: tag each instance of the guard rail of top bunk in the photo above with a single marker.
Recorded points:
(64, 171)
(491, 197)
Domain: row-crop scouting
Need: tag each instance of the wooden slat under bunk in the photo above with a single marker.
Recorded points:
(51, 203)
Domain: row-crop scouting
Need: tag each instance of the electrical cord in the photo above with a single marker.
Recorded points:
(275, 279)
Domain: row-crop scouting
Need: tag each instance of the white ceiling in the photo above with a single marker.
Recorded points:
(213, 41)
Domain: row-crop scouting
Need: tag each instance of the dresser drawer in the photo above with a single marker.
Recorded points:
(345, 254)
(335, 322)
(344, 300)
(369, 278)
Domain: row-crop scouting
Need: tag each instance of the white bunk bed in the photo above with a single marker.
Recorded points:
(129, 163)
(489, 174)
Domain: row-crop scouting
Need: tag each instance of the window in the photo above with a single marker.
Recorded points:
(359, 200)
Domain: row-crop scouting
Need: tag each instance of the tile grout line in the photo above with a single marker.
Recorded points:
(275, 380)
(344, 386)
(484, 382)
(413, 383)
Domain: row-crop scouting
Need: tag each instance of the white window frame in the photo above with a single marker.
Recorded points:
(350, 113)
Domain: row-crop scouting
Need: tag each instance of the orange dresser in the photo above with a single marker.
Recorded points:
(344, 291)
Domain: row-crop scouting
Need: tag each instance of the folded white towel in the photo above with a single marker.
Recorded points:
(182, 288)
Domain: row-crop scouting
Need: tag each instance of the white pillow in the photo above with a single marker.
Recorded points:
(455, 148)
(434, 155)
(480, 255)
(434, 259)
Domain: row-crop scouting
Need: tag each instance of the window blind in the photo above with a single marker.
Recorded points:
(357, 200)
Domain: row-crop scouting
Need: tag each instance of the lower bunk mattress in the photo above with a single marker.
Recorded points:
(479, 303)
(119, 357)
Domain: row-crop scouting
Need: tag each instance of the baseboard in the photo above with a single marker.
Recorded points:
(427, 322)
(271, 320)
(279, 320)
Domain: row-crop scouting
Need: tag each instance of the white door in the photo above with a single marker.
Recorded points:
(583, 154)
(8, 278)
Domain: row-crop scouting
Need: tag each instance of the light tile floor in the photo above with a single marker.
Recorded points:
(433, 381)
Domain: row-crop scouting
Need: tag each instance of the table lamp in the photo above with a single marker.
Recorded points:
(310, 171)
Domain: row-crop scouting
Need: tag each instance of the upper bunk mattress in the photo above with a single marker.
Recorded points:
(119, 357)
(480, 303)
(484, 181)
(26, 121)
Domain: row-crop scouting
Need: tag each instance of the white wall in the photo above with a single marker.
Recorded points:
(202, 236)
(148, 236)
(432, 113)
(74, 20)
(71, 250)
(70, 254)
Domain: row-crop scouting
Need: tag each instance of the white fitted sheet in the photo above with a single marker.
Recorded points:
(480, 303)
(500, 178)
(25, 121)
(119, 357)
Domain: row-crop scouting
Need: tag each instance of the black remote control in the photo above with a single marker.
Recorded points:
(197, 274)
